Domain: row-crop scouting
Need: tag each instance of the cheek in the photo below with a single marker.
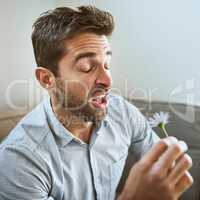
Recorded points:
(88, 82)
(77, 88)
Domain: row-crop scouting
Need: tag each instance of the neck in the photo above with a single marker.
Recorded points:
(76, 125)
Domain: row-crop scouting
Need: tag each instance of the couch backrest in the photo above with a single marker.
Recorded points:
(7, 122)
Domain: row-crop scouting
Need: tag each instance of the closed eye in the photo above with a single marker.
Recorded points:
(86, 68)
(93, 67)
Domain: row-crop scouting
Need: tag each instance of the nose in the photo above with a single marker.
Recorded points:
(104, 77)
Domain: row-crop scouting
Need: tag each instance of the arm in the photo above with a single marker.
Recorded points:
(143, 137)
(22, 175)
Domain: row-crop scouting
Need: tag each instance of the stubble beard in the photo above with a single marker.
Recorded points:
(78, 109)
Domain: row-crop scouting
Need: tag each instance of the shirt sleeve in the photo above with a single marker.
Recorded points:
(143, 136)
(22, 175)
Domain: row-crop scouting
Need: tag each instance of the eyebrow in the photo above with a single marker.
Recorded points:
(90, 55)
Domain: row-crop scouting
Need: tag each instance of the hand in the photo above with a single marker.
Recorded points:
(160, 174)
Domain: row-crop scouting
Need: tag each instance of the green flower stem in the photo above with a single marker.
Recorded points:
(162, 126)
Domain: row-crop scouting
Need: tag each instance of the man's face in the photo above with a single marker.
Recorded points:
(84, 77)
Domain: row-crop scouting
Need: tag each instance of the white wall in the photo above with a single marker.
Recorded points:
(17, 60)
(156, 47)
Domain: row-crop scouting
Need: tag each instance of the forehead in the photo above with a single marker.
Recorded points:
(88, 42)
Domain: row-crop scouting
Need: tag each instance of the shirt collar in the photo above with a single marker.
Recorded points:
(60, 131)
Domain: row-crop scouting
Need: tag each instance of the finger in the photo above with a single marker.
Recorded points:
(184, 183)
(166, 161)
(182, 165)
(158, 149)
(170, 140)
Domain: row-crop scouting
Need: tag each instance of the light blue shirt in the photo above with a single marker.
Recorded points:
(41, 160)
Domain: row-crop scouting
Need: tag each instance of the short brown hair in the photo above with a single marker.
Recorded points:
(53, 27)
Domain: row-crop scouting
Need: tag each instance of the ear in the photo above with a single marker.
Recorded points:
(45, 77)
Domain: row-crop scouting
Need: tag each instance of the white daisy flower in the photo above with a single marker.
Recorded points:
(160, 120)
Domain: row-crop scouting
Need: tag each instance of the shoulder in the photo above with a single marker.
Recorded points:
(24, 150)
(124, 114)
(30, 131)
(120, 108)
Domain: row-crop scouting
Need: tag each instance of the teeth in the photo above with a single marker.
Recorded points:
(99, 97)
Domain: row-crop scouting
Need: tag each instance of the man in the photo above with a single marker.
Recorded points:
(73, 146)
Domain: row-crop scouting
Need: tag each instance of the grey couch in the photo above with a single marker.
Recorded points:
(182, 129)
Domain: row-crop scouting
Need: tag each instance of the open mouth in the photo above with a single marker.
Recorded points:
(99, 101)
